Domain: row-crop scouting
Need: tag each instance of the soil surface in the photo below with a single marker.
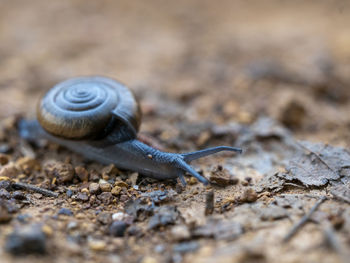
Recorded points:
(271, 77)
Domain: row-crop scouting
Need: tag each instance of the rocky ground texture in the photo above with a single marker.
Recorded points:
(272, 77)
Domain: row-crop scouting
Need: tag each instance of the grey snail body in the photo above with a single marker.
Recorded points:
(99, 118)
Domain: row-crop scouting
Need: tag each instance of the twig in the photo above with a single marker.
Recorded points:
(35, 189)
(303, 220)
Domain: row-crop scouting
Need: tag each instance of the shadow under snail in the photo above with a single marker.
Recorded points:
(99, 118)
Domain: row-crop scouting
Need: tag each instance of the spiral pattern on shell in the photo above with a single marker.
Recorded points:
(83, 107)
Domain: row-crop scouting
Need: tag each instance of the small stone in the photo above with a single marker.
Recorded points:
(4, 159)
(248, 196)
(97, 245)
(121, 184)
(19, 195)
(110, 171)
(94, 175)
(104, 218)
(28, 164)
(47, 230)
(123, 198)
(72, 225)
(116, 190)
(272, 212)
(80, 216)
(4, 215)
(85, 190)
(4, 193)
(37, 195)
(164, 215)
(23, 218)
(105, 187)
(180, 232)
(119, 216)
(82, 197)
(65, 211)
(105, 197)
(94, 188)
(5, 148)
(5, 184)
(63, 172)
(82, 173)
(221, 176)
(9, 170)
(134, 230)
(159, 249)
(26, 240)
(117, 228)
(192, 181)
(69, 193)
(185, 247)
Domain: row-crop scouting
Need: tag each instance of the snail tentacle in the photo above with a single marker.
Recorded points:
(188, 157)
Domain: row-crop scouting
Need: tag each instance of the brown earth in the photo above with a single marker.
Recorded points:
(262, 75)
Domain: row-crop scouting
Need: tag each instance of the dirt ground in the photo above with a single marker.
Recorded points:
(272, 77)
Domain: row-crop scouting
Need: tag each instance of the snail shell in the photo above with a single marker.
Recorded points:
(99, 118)
(86, 107)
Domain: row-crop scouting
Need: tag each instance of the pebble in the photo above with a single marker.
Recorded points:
(97, 245)
(4, 193)
(185, 247)
(4, 159)
(9, 170)
(180, 232)
(5, 148)
(65, 211)
(116, 190)
(94, 188)
(159, 249)
(104, 218)
(19, 195)
(117, 228)
(28, 164)
(134, 230)
(119, 216)
(82, 197)
(5, 184)
(26, 240)
(248, 196)
(72, 225)
(121, 184)
(221, 176)
(192, 181)
(4, 215)
(82, 173)
(110, 171)
(105, 187)
(69, 193)
(47, 230)
(23, 218)
(105, 197)
(64, 172)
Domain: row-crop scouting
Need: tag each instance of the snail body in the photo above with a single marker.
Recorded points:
(99, 118)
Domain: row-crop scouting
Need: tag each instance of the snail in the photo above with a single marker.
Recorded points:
(99, 118)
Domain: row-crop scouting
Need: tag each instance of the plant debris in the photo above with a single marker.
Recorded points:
(317, 164)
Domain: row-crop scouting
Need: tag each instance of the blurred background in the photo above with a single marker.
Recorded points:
(188, 61)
